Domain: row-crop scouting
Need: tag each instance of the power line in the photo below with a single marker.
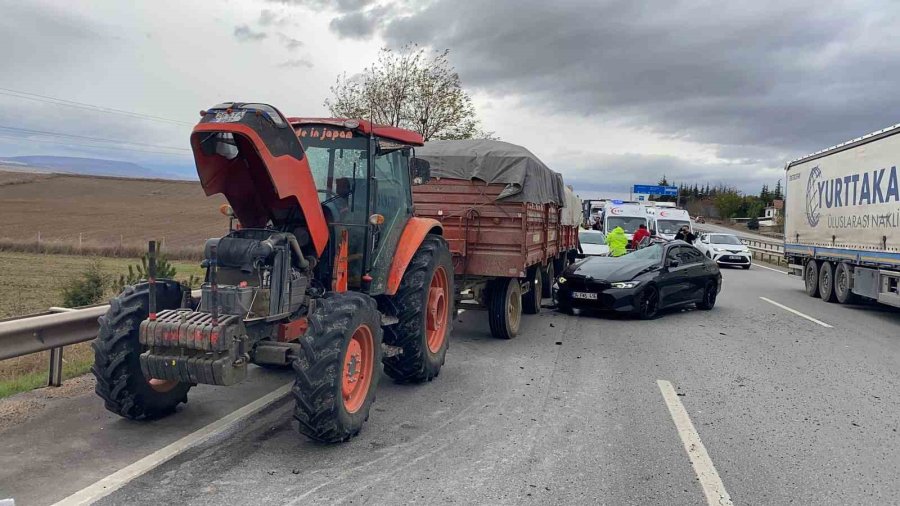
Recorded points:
(81, 145)
(90, 107)
(94, 139)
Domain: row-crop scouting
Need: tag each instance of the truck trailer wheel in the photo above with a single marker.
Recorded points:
(424, 307)
(117, 350)
(811, 278)
(548, 277)
(826, 281)
(504, 307)
(337, 367)
(531, 300)
(843, 277)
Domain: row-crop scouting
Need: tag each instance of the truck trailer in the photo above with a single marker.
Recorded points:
(842, 220)
(510, 221)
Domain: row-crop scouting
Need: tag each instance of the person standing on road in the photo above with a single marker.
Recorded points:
(617, 242)
(639, 235)
(685, 235)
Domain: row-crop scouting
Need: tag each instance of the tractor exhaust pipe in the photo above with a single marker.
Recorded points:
(151, 280)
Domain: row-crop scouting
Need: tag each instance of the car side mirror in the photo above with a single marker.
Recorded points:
(419, 171)
(673, 263)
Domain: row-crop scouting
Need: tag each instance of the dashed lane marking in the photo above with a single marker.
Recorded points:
(798, 313)
(707, 476)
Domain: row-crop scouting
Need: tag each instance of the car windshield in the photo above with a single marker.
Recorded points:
(628, 223)
(670, 226)
(724, 239)
(591, 237)
(652, 252)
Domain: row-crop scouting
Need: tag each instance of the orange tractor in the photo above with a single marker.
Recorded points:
(326, 271)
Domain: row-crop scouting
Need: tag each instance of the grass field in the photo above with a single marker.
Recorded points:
(87, 215)
(34, 282)
(106, 213)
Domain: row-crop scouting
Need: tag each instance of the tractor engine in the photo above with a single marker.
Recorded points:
(256, 284)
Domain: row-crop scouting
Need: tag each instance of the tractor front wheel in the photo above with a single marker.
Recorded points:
(117, 351)
(424, 307)
(337, 367)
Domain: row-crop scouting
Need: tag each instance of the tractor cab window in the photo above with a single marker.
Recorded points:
(339, 161)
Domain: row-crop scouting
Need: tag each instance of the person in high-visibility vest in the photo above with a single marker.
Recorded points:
(617, 242)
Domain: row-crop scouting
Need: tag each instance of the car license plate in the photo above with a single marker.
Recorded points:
(584, 295)
(735, 257)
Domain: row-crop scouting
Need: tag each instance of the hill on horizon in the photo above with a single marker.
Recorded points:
(90, 167)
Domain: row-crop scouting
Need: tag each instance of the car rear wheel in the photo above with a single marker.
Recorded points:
(811, 278)
(648, 303)
(843, 276)
(710, 294)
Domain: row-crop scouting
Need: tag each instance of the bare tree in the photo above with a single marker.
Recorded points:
(409, 89)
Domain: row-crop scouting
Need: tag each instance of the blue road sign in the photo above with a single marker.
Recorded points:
(668, 191)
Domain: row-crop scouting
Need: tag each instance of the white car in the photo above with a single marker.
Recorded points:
(725, 249)
(593, 243)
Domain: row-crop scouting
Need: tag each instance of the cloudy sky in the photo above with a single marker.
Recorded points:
(608, 92)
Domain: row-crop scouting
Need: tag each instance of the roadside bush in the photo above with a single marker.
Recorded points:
(89, 288)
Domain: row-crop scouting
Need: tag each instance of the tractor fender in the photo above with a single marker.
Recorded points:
(413, 234)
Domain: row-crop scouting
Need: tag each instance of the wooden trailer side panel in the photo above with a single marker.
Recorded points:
(490, 238)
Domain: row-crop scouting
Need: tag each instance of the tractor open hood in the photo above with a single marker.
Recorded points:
(250, 154)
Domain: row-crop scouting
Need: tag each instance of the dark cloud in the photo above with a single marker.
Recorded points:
(616, 173)
(296, 63)
(244, 33)
(337, 5)
(772, 77)
(289, 42)
(360, 24)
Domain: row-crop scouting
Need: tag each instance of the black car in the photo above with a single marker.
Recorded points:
(642, 282)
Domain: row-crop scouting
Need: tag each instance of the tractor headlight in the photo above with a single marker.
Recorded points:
(626, 284)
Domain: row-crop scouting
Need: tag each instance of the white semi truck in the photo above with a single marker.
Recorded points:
(842, 219)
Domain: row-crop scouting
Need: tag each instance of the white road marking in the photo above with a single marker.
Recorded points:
(121, 477)
(770, 269)
(707, 476)
(798, 313)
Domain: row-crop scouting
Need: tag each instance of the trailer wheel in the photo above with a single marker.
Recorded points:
(531, 301)
(811, 278)
(548, 277)
(826, 281)
(504, 307)
(843, 276)
(117, 350)
(425, 308)
(337, 367)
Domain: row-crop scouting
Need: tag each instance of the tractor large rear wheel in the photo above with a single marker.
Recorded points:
(117, 365)
(424, 308)
(337, 368)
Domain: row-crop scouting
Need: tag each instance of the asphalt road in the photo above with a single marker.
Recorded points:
(789, 411)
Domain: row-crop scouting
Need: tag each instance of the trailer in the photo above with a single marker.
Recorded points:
(842, 220)
(510, 221)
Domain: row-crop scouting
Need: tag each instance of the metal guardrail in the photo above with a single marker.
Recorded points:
(51, 331)
(768, 251)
